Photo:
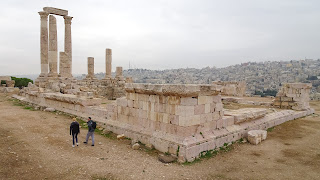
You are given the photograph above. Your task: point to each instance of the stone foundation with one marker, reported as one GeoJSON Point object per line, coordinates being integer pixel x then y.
{"type": "Point", "coordinates": [183, 120]}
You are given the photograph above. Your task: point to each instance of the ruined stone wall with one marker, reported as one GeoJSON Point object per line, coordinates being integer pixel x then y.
{"type": "Point", "coordinates": [170, 114]}
{"type": "Point", "coordinates": [231, 88]}
{"type": "Point", "coordinates": [293, 96]}
{"type": "Point", "coordinates": [111, 89]}
{"type": "Point", "coordinates": [5, 78]}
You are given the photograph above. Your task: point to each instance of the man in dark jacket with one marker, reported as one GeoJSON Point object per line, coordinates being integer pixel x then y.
{"type": "Point", "coordinates": [74, 131]}
{"type": "Point", "coordinates": [90, 131]}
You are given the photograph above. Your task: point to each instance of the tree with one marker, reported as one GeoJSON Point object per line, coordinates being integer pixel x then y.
{"type": "Point", "coordinates": [21, 82]}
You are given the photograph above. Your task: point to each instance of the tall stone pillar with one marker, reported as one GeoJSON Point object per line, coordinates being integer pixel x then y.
{"type": "Point", "coordinates": [90, 68]}
{"type": "Point", "coordinates": [108, 63]}
{"type": "Point", "coordinates": [53, 47]}
{"type": "Point", "coordinates": [44, 43]}
{"type": "Point", "coordinates": [67, 40]}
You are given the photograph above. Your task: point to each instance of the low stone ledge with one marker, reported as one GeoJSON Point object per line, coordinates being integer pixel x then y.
{"type": "Point", "coordinates": [246, 114]}
{"type": "Point", "coordinates": [182, 90]}
{"type": "Point", "coordinates": [73, 99]}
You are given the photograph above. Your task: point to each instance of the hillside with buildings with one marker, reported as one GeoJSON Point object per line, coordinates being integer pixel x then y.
{"type": "Point", "coordinates": [259, 76]}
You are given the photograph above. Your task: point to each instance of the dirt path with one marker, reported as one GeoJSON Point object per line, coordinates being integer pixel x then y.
{"type": "Point", "coordinates": [37, 145]}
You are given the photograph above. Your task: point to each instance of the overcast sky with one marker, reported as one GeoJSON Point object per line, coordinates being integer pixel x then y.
{"type": "Point", "coordinates": [163, 34]}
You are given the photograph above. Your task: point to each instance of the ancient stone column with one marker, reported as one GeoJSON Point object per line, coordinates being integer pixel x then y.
{"type": "Point", "coordinates": [108, 63]}
{"type": "Point", "coordinates": [53, 47]}
{"type": "Point", "coordinates": [64, 66]}
{"type": "Point", "coordinates": [44, 43]}
{"type": "Point", "coordinates": [67, 40]}
{"type": "Point", "coordinates": [91, 68]}
{"type": "Point", "coordinates": [118, 71]}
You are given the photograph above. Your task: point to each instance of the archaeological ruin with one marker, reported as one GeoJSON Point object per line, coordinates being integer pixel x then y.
{"type": "Point", "coordinates": [180, 119]}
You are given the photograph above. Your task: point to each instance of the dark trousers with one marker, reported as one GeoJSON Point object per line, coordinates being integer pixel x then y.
{"type": "Point", "coordinates": [74, 136]}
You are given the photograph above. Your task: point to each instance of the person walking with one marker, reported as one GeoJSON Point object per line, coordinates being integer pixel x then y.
{"type": "Point", "coordinates": [91, 128]}
{"type": "Point", "coordinates": [74, 131]}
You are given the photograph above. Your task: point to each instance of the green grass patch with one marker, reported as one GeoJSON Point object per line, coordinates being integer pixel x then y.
{"type": "Point", "coordinates": [29, 108]}
{"type": "Point", "coordinates": [212, 153]}
{"type": "Point", "coordinates": [270, 129]}
{"type": "Point", "coordinates": [18, 103]}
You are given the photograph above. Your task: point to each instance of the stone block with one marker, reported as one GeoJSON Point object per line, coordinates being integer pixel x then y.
{"type": "Point", "coordinates": [154, 98]}
{"type": "Point", "coordinates": [219, 107]}
{"type": "Point", "coordinates": [205, 99]}
{"type": "Point", "coordinates": [216, 116]}
{"type": "Point", "coordinates": [122, 102]}
{"type": "Point", "coordinates": [173, 119]}
{"type": "Point", "coordinates": [205, 118]}
{"type": "Point", "coordinates": [174, 100]}
{"type": "Point", "coordinates": [163, 99]}
{"type": "Point", "coordinates": [256, 136]}
{"type": "Point", "coordinates": [130, 103]}
{"type": "Point", "coordinates": [199, 109]}
{"type": "Point", "coordinates": [207, 108]}
{"type": "Point", "coordinates": [143, 97]}
{"type": "Point", "coordinates": [185, 110]}
{"type": "Point", "coordinates": [165, 118]}
{"type": "Point", "coordinates": [219, 123]}
{"type": "Point", "coordinates": [212, 107]}
{"type": "Point", "coordinates": [136, 104]}
{"type": "Point", "coordinates": [145, 106]}
{"type": "Point", "coordinates": [188, 101]}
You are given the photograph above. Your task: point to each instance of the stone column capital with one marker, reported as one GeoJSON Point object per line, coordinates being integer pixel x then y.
{"type": "Point", "coordinates": [43, 15]}
{"type": "Point", "coordinates": [67, 19]}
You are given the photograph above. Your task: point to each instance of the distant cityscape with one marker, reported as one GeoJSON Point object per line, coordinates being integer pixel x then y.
{"type": "Point", "coordinates": [259, 76]}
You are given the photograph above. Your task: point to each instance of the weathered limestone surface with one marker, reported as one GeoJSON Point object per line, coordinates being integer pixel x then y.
{"type": "Point", "coordinates": [293, 96]}
{"type": "Point", "coordinates": [246, 114]}
{"type": "Point", "coordinates": [108, 63]}
{"type": "Point", "coordinates": [257, 136]}
{"type": "Point", "coordinates": [56, 11]}
{"type": "Point", "coordinates": [9, 89]}
{"type": "Point", "coordinates": [53, 47]}
{"type": "Point", "coordinates": [231, 88]}
{"type": "Point", "coordinates": [183, 90]}
{"type": "Point", "coordinates": [73, 99]}
{"type": "Point", "coordinates": [44, 43]}
{"type": "Point", "coordinates": [65, 67]}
